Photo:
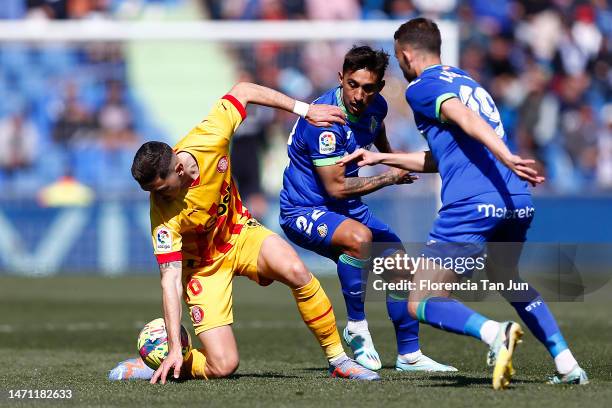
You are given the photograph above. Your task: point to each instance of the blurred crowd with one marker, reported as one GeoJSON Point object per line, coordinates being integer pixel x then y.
{"type": "Point", "coordinates": [547, 64]}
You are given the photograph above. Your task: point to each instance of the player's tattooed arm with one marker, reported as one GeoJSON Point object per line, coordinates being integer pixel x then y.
{"type": "Point", "coordinates": [172, 290]}
{"type": "Point", "coordinates": [454, 111]}
{"type": "Point", "coordinates": [318, 115]}
{"type": "Point", "coordinates": [340, 187]}
{"type": "Point", "coordinates": [419, 162]}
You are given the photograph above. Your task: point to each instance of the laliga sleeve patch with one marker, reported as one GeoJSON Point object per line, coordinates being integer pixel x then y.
{"type": "Point", "coordinates": [327, 142]}
{"type": "Point", "coordinates": [163, 240]}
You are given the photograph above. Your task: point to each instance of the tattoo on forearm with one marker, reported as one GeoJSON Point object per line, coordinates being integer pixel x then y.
{"type": "Point", "coordinates": [170, 265]}
{"type": "Point", "coordinates": [365, 185]}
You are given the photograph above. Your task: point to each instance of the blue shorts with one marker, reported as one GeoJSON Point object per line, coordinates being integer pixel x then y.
{"type": "Point", "coordinates": [312, 228]}
{"type": "Point", "coordinates": [463, 228]}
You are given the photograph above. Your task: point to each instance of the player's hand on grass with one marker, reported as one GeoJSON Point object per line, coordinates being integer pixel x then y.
{"type": "Point", "coordinates": [325, 115]}
{"type": "Point", "coordinates": [364, 158]}
{"type": "Point", "coordinates": [522, 168]}
{"type": "Point", "coordinates": [173, 362]}
{"type": "Point", "coordinates": [403, 176]}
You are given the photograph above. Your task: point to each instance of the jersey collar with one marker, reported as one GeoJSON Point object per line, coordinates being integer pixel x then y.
{"type": "Point", "coordinates": [432, 67]}
{"type": "Point", "coordinates": [340, 102]}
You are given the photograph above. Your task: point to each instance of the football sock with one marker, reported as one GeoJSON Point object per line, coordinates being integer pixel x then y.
{"type": "Point", "coordinates": [410, 358]}
{"type": "Point", "coordinates": [349, 272]}
{"type": "Point", "coordinates": [194, 365]}
{"type": "Point", "coordinates": [488, 331]}
{"type": "Point", "coordinates": [357, 326]}
{"type": "Point", "coordinates": [565, 362]}
{"type": "Point", "coordinates": [318, 314]}
{"type": "Point", "coordinates": [406, 328]}
{"type": "Point", "coordinates": [538, 318]}
{"type": "Point", "coordinates": [451, 315]}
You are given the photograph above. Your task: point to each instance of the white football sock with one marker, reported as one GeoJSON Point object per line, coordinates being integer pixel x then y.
{"type": "Point", "coordinates": [488, 331]}
{"type": "Point", "coordinates": [410, 357]}
{"type": "Point", "coordinates": [357, 326]}
{"type": "Point", "coordinates": [565, 362]}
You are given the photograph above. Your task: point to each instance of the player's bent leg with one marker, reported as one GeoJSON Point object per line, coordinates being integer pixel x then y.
{"type": "Point", "coordinates": [349, 240]}
{"type": "Point", "coordinates": [278, 261]}
{"type": "Point", "coordinates": [217, 358]}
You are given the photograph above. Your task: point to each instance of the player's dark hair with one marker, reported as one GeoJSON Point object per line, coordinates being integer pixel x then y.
{"type": "Point", "coordinates": [364, 57]}
{"type": "Point", "coordinates": [153, 159]}
{"type": "Point", "coordinates": [420, 33]}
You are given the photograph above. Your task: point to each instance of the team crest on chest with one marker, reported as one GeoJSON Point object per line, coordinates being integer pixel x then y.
{"type": "Point", "coordinates": [327, 143]}
{"type": "Point", "coordinates": [222, 164]}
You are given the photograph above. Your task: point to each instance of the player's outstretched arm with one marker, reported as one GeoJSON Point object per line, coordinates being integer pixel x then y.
{"type": "Point", "coordinates": [340, 187]}
{"type": "Point", "coordinates": [473, 125]}
{"type": "Point", "coordinates": [318, 115]}
{"type": "Point", "coordinates": [172, 289]}
{"type": "Point", "coordinates": [419, 162]}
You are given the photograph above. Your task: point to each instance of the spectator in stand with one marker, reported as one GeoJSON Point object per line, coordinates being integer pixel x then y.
{"type": "Point", "coordinates": [47, 9]}
{"type": "Point", "coordinates": [604, 149]}
{"type": "Point", "coordinates": [73, 122]}
{"type": "Point", "coordinates": [18, 140]}
{"type": "Point", "coordinates": [333, 10]}
{"type": "Point", "coordinates": [115, 119]}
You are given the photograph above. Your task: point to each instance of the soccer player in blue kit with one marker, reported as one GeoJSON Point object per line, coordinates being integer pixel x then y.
{"type": "Point", "coordinates": [485, 198]}
{"type": "Point", "coordinates": [321, 210]}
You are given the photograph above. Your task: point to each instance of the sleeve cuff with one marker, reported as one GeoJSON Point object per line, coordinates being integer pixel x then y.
{"type": "Point", "coordinates": [236, 104]}
{"type": "Point", "coordinates": [440, 100]}
{"type": "Point", "coordinates": [169, 257]}
{"type": "Point", "coordinates": [327, 161]}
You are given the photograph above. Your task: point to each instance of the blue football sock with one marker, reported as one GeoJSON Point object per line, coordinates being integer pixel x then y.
{"type": "Point", "coordinates": [353, 285]}
{"type": "Point", "coordinates": [537, 316]}
{"type": "Point", "coordinates": [450, 315]}
{"type": "Point", "coordinates": [406, 328]}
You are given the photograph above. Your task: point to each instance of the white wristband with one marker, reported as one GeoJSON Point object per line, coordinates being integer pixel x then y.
{"type": "Point", "coordinates": [301, 108]}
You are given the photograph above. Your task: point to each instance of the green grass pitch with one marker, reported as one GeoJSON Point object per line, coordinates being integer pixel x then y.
{"type": "Point", "coordinates": [67, 332]}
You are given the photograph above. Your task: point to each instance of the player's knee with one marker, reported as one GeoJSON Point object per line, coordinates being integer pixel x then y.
{"type": "Point", "coordinates": [358, 239]}
{"type": "Point", "coordinates": [222, 366]}
{"type": "Point", "coordinates": [299, 275]}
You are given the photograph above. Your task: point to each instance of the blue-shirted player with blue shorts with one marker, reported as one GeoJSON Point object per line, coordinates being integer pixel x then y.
{"type": "Point", "coordinates": [321, 208]}
{"type": "Point", "coordinates": [485, 198]}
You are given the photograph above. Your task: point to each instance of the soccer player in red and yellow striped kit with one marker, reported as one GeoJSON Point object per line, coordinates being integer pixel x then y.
{"type": "Point", "coordinates": [203, 236]}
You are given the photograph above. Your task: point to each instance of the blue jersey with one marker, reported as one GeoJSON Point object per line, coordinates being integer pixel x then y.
{"type": "Point", "coordinates": [310, 146]}
{"type": "Point", "coordinates": [466, 166]}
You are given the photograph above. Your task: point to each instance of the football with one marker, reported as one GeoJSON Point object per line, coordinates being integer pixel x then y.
{"type": "Point", "coordinates": [153, 342]}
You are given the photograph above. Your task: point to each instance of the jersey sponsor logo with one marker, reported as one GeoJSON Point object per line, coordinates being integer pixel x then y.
{"type": "Point", "coordinates": [492, 211]}
{"type": "Point", "coordinates": [163, 240]}
{"type": "Point", "coordinates": [222, 164]}
{"type": "Point", "coordinates": [197, 314]}
{"type": "Point", "coordinates": [327, 143]}
{"type": "Point", "coordinates": [322, 230]}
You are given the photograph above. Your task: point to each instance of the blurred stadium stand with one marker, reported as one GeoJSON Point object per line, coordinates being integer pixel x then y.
{"type": "Point", "coordinates": [77, 111]}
